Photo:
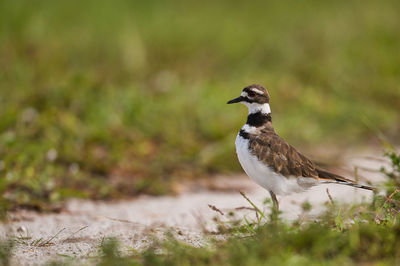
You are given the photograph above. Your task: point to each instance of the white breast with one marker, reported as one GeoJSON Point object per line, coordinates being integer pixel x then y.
{"type": "Point", "coordinates": [264, 176]}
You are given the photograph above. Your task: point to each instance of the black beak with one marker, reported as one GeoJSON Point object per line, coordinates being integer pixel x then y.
{"type": "Point", "coordinates": [236, 100]}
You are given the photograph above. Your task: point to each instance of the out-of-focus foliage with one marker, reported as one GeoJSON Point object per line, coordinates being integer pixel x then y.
{"type": "Point", "coordinates": [113, 98]}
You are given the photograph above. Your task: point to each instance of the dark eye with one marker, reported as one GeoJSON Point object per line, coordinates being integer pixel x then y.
{"type": "Point", "coordinates": [251, 93]}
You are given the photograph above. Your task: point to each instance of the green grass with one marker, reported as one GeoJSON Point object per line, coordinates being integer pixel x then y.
{"type": "Point", "coordinates": [364, 234]}
{"type": "Point", "coordinates": [368, 233]}
{"type": "Point", "coordinates": [107, 99]}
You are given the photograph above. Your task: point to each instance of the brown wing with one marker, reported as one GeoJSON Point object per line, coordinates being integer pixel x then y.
{"type": "Point", "coordinates": [283, 158]}
{"type": "Point", "coordinates": [323, 174]}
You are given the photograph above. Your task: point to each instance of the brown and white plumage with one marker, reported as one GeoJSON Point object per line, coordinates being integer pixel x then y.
{"type": "Point", "coordinates": [268, 159]}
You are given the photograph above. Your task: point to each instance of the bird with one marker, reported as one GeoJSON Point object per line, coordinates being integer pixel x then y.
{"type": "Point", "coordinates": [268, 159]}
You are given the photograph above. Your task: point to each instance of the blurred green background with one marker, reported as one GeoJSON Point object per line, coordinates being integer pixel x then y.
{"type": "Point", "coordinates": [108, 99]}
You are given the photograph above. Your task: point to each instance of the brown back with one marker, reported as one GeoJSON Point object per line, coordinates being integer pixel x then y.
{"type": "Point", "coordinates": [278, 154]}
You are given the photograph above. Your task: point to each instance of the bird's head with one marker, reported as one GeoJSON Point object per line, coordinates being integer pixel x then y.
{"type": "Point", "coordinates": [255, 97]}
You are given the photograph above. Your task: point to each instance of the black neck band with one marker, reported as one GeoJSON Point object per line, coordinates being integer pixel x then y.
{"type": "Point", "coordinates": [244, 134]}
{"type": "Point", "coordinates": [258, 119]}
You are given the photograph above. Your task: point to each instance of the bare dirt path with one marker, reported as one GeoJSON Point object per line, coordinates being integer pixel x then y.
{"type": "Point", "coordinates": [79, 229]}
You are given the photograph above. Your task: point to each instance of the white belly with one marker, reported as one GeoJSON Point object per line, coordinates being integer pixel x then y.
{"type": "Point", "coordinates": [264, 175]}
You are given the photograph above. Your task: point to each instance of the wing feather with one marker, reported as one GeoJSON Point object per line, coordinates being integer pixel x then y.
{"type": "Point", "coordinates": [286, 160]}
{"type": "Point", "coordinates": [282, 157]}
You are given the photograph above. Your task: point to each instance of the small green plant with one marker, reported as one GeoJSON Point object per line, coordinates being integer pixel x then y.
{"type": "Point", "coordinates": [6, 247]}
{"type": "Point", "coordinates": [393, 174]}
{"type": "Point", "coordinates": [259, 214]}
{"type": "Point", "coordinates": [24, 238]}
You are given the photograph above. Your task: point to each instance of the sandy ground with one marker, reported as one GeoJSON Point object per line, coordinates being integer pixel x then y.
{"type": "Point", "coordinates": [78, 230]}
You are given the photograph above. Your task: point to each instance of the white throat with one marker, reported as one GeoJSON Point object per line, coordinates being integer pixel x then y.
{"type": "Point", "coordinates": [256, 107]}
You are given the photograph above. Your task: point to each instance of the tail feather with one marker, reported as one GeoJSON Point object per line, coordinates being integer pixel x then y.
{"type": "Point", "coordinates": [328, 177]}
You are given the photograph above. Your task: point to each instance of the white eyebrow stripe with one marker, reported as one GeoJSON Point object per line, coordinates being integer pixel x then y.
{"type": "Point", "coordinates": [257, 91]}
{"type": "Point", "coordinates": [243, 94]}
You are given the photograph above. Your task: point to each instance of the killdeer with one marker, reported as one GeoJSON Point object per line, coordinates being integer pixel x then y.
{"type": "Point", "coordinates": [268, 159]}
